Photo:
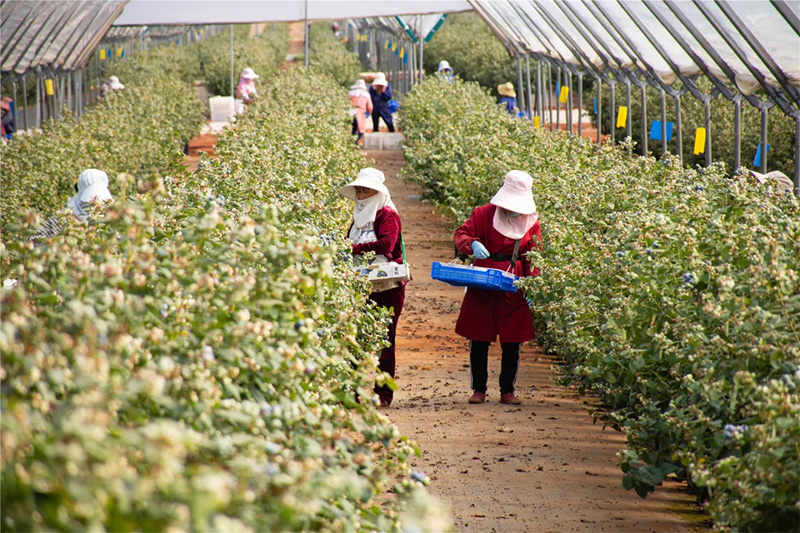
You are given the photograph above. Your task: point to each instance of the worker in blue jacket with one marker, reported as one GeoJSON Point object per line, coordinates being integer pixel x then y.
{"type": "Point", "coordinates": [381, 95]}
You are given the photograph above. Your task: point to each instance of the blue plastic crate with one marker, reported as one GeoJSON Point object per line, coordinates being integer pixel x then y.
{"type": "Point", "coordinates": [471, 276]}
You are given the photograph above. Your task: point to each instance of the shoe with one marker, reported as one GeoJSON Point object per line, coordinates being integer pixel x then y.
{"type": "Point", "coordinates": [509, 398]}
{"type": "Point", "coordinates": [477, 397]}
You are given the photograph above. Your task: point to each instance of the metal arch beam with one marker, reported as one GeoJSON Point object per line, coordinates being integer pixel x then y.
{"type": "Point", "coordinates": [567, 40]}
{"type": "Point", "coordinates": [491, 20]}
{"type": "Point", "coordinates": [689, 84]}
{"type": "Point", "coordinates": [616, 36]}
{"type": "Point", "coordinates": [760, 51]}
{"type": "Point", "coordinates": [787, 14]}
{"type": "Point", "coordinates": [543, 39]}
{"type": "Point", "coordinates": [618, 72]}
{"type": "Point", "coordinates": [636, 56]}
{"type": "Point", "coordinates": [776, 97]}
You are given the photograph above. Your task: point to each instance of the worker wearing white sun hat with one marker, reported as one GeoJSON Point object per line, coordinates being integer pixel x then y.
{"type": "Point", "coordinates": [445, 71]}
{"type": "Point", "coordinates": [377, 228]}
{"type": "Point", "coordinates": [499, 234]}
{"type": "Point", "coordinates": [246, 90]}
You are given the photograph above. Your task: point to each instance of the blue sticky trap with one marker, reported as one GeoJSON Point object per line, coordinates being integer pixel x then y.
{"type": "Point", "coordinates": [655, 130]}
{"type": "Point", "coordinates": [757, 160]}
{"type": "Point", "coordinates": [405, 59]}
{"type": "Point", "coordinates": [595, 104]}
{"type": "Point", "coordinates": [108, 53]}
{"type": "Point", "coordinates": [122, 54]}
{"type": "Point", "coordinates": [558, 88]}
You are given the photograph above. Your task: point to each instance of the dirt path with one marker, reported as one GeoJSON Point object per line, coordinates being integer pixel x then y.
{"type": "Point", "coordinates": [541, 466]}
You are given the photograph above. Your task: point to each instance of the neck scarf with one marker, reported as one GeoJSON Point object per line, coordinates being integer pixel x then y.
{"type": "Point", "coordinates": [513, 227]}
{"type": "Point", "coordinates": [78, 209]}
{"type": "Point", "coordinates": [364, 212]}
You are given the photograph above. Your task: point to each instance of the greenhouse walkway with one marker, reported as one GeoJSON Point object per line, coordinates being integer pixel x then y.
{"type": "Point", "coordinates": [541, 466]}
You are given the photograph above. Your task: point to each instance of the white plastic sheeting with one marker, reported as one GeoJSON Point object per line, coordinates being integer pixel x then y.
{"type": "Point", "coordinates": [421, 26]}
{"type": "Point", "coordinates": [52, 35]}
{"type": "Point", "coordinates": [148, 12]}
{"type": "Point", "coordinates": [622, 34]}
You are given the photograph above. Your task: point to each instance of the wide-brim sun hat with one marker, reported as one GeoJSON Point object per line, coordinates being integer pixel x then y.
{"type": "Point", "coordinates": [380, 80]}
{"type": "Point", "coordinates": [780, 180]}
{"type": "Point", "coordinates": [359, 84]}
{"type": "Point", "coordinates": [249, 74]}
{"type": "Point", "coordinates": [114, 83]}
{"type": "Point", "coordinates": [371, 178]}
{"type": "Point", "coordinates": [516, 193]}
{"type": "Point", "coordinates": [506, 89]}
{"type": "Point", "coordinates": [444, 65]}
{"type": "Point", "coordinates": [93, 184]}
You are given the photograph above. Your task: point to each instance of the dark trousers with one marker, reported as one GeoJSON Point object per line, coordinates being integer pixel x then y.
{"type": "Point", "coordinates": [393, 298]}
{"type": "Point", "coordinates": [376, 120]}
{"type": "Point", "coordinates": [479, 365]}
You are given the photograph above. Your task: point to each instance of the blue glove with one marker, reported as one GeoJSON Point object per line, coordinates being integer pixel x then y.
{"type": "Point", "coordinates": [479, 250]}
{"type": "Point", "coordinates": [530, 302]}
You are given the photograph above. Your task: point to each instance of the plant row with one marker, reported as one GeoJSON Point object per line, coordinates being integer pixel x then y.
{"type": "Point", "coordinates": [140, 130]}
{"type": "Point", "coordinates": [672, 293]}
{"type": "Point", "coordinates": [327, 55]}
{"type": "Point", "coordinates": [780, 128]}
{"type": "Point", "coordinates": [201, 355]}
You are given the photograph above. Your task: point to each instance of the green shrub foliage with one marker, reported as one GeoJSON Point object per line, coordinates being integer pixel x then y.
{"type": "Point", "coordinates": [328, 56]}
{"type": "Point", "coordinates": [780, 128]}
{"type": "Point", "coordinates": [264, 53]}
{"type": "Point", "coordinates": [193, 358]}
{"type": "Point", "coordinates": [672, 293]}
{"type": "Point", "coordinates": [140, 130]}
{"type": "Point", "coordinates": [473, 51]}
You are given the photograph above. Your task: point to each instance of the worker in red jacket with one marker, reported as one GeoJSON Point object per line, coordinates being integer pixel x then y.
{"type": "Point", "coordinates": [491, 234]}
{"type": "Point", "coordinates": [376, 228]}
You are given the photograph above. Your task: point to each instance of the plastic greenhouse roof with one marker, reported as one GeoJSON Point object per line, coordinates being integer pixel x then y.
{"type": "Point", "coordinates": [52, 35]}
{"type": "Point", "coordinates": [749, 43]}
{"type": "Point", "coordinates": [147, 12]}
{"type": "Point", "coordinates": [416, 24]}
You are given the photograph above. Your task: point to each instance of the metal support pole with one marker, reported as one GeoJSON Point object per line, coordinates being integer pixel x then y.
{"type": "Point", "coordinates": [520, 87]}
{"type": "Point", "coordinates": [611, 113]}
{"type": "Point", "coordinates": [38, 100]}
{"type": "Point", "coordinates": [568, 103]}
{"type": "Point", "coordinates": [763, 161]}
{"type": "Point", "coordinates": [643, 89]}
{"type": "Point", "coordinates": [599, 120]}
{"type": "Point", "coordinates": [25, 97]}
{"type": "Point", "coordinates": [305, 10]}
{"type": "Point", "coordinates": [678, 128]}
{"type": "Point", "coordinates": [69, 92]}
{"type": "Point", "coordinates": [663, 122]}
{"type": "Point", "coordinates": [421, 57]}
{"type": "Point", "coordinates": [797, 154]}
{"type": "Point", "coordinates": [16, 103]}
{"type": "Point", "coordinates": [558, 99]}
{"type": "Point", "coordinates": [550, 94]}
{"type": "Point", "coordinates": [707, 120]}
{"type": "Point", "coordinates": [539, 94]}
{"type": "Point", "coordinates": [580, 104]}
{"type": "Point", "coordinates": [737, 127]}
{"type": "Point", "coordinates": [528, 77]}
{"type": "Point", "coordinates": [233, 93]}
{"type": "Point", "coordinates": [628, 121]}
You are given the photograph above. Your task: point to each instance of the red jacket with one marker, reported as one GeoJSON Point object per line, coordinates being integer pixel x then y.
{"type": "Point", "coordinates": [487, 314]}
{"type": "Point", "coordinates": [387, 228]}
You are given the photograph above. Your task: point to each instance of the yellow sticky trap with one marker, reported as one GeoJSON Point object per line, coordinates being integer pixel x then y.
{"type": "Point", "coordinates": [386, 45]}
{"type": "Point", "coordinates": [394, 47]}
{"type": "Point", "coordinates": [536, 122]}
{"type": "Point", "coordinates": [622, 116]}
{"type": "Point", "coordinates": [564, 95]}
{"type": "Point", "coordinates": [700, 141]}
{"type": "Point", "coordinates": [103, 54]}
{"type": "Point", "coordinates": [119, 52]}
{"type": "Point", "coordinates": [402, 52]}
{"type": "Point", "coordinates": [48, 87]}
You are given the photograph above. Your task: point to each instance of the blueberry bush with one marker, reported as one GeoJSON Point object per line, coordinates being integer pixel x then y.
{"type": "Point", "coordinates": [671, 293]}
{"type": "Point", "coordinates": [201, 356]}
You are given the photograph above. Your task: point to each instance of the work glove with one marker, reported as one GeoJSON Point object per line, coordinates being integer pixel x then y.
{"type": "Point", "coordinates": [479, 250]}
{"type": "Point", "coordinates": [530, 302]}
